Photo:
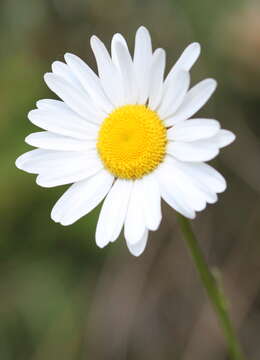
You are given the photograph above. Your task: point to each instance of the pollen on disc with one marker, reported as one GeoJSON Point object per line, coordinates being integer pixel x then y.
{"type": "Point", "coordinates": [132, 141]}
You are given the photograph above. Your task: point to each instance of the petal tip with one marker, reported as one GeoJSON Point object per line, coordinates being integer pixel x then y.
{"type": "Point", "coordinates": [232, 137]}
{"type": "Point", "coordinates": [18, 163]}
{"type": "Point", "coordinates": [39, 182]}
{"type": "Point", "coordinates": [100, 245]}
{"type": "Point", "coordinates": [68, 54]}
{"type": "Point", "coordinates": [192, 216]}
{"type": "Point", "coordinates": [47, 77]}
{"type": "Point", "coordinates": [142, 28]}
{"type": "Point", "coordinates": [30, 115]}
{"type": "Point", "coordinates": [54, 215]}
{"type": "Point", "coordinates": [93, 39]}
{"type": "Point", "coordinates": [196, 45]}
{"type": "Point", "coordinates": [136, 254]}
{"type": "Point", "coordinates": [69, 57]}
{"type": "Point", "coordinates": [28, 139]}
{"type": "Point", "coordinates": [55, 65]}
{"type": "Point", "coordinates": [213, 83]}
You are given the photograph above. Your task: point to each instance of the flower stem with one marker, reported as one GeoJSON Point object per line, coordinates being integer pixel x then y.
{"type": "Point", "coordinates": [212, 288]}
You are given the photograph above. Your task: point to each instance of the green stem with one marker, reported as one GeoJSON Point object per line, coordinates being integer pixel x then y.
{"type": "Point", "coordinates": [212, 288]}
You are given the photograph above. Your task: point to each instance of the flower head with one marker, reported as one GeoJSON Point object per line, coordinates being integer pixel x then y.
{"type": "Point", "coordinates": [126, 137]}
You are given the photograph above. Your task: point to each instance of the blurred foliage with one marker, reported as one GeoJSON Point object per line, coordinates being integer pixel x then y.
{"type": "Point", "coordinates": [62, 297]}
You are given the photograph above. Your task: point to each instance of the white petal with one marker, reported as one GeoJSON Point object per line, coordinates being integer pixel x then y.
{"type": "Point", "coordinates": [203, 175]}
{"type": "Point", "coordinates": [138, 248]}
{"type": "Point", "coordinates": [156, 78]}
{"type": "Point", "coordinates": [142, 62]}
{"type": "Point", "coordinates": [201, 150]}
{"type": "Point", "coordinates": [49, 104]}
{"type": "Point", "coordinates": [76, 99]}
{"type": "Point", "coordinates": [23, 162]}
{"type": "Point", "coordinates": [223, 138]}
{"type": "Point", "coordinates": [196, 196]}
{"type": "Point", "coordinates": [117, 38]}
{"type": "Point", "coordinates": [194, 129]}
{"type": "Point", "coordinates": [113, 212]}
{"type": "Point", "coordinates": [174, 93]}
{"type": "Point", "coordinates": [214, 179]}
{"type": "Point", "coordinates": [135, 223]}
{"type": "Point", "coordinates": [151, 201]}
{"type": "Point", "coordinates": [195, 98]}
{"type": "Point", "coordinates": [70, 171]}
{"type": "Point", "coordinates": [108, 73]}
{"type": "Point", "coordinates": [41, 161]}
{"type": "Point", "coordinates": [185, 61]}
{"type": "Point", "coordinates": [63, 70]}
{"type": "Point", "coordinates": [192, 194]}
{"type": "Point", "coordinates": [62, 120]}
{"type": "Point", "coordinates": [194, 178]}
{"type": "Point", "coordinates": [81, 198]}
{"type": "Point", "coordinates": [90, 81]}
{"type": "Point", "coordinates": [172, 193]}
{"type": "Point", "coordinates": [50, 141]}
{"type": "Point", "coordinates": [126, 69]}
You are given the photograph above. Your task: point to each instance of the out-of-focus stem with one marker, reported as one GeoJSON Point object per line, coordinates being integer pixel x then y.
{"type": "Point", "coordinates": [212, 288]}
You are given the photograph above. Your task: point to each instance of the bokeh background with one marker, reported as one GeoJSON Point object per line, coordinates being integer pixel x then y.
{"type": "Point", "coordinates": [60, 296]}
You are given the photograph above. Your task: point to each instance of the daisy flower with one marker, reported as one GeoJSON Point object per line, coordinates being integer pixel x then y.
{"type": "Point", "coordinates": [126, 136]}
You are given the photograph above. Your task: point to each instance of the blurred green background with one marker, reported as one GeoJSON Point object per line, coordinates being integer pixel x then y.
{"type": "Point", "coordinates": [60, 296]}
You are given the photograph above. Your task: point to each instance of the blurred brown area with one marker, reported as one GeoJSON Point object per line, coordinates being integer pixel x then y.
{"type": "Point", "coordinates": [61, 296]}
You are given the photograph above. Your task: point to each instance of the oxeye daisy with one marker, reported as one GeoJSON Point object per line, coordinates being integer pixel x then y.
{"type": "Point", "coordinates": [126, 136]}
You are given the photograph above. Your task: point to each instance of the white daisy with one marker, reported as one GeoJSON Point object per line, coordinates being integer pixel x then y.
{"type": "Point", "coordinates": [128, 137]}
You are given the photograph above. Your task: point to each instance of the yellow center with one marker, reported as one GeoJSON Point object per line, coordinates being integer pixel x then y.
{"type": "Point", "coordinates": [132, 141]}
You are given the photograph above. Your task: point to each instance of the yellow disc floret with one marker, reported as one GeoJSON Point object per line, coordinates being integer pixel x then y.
{"type": "Point", "coordinates": [132, 141]}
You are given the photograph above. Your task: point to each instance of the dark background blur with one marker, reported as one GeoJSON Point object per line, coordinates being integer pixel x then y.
{"type": "Point", "coordinates": [60, 296]}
